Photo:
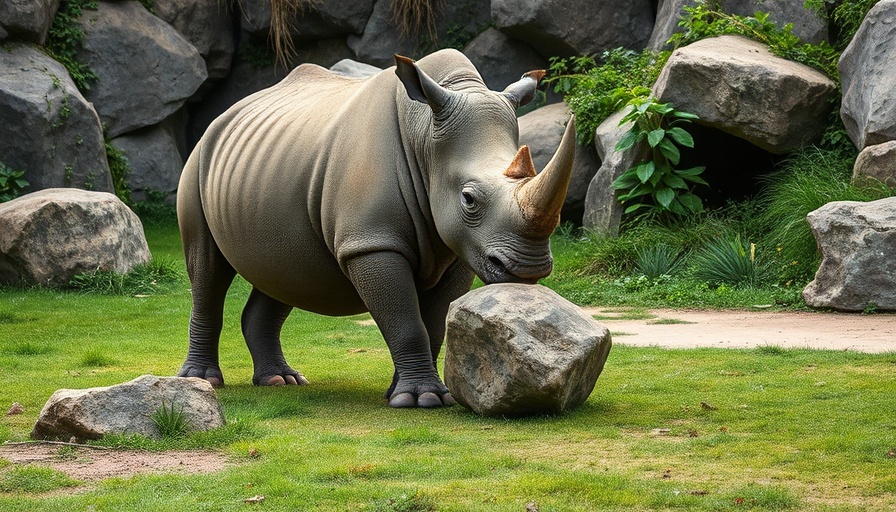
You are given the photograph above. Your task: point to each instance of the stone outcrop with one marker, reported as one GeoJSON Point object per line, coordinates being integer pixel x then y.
{"type": "Point", "coordinates": [738, 86]}
{"type": "Point", "coordinates": [579, 27]}
{"type": "Point", "coordinates": [500, 59]}
{"type": "Point", "coordinates": [128, 408]}
{"type": "Point", "coordinates": [868, 77]}
{"type": "Point", "coordinates": [50, 236]}
{"type": "Point", "coordinates": [146, 69]}
{"type": "Point", "coordinates": [206, 24]}
{"type": "Point", "coordinates": [154, 160]}
{"type": "Point", "coordinates": [877, 163]}
{"type": "Point", "coordinates": [27, 20]}
{"type": "Point", "coordinates": [542, 130]}
{"type": "Point", "coordinates": [516, 350]}
{"type": "Point", "coordinates": [47, 128]}
{"type": "Point", "coordinates": [857, 242]}
{"type": "Point", "coordinates": [603, 212]}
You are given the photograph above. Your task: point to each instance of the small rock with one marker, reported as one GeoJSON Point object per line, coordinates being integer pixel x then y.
{"type": "Point", "coordinates": [128, 408]}
{"type": "Point", "coordinates": [876, 163]}
{"type": "Point", "coordinates": [517, 350]}
{"type": "Point", "coordinates": [16, 408]}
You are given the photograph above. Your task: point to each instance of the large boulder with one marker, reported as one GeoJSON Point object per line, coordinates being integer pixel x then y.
{"type": "Point", "coordinates": [206, 24]}
{"type": "Point", "coordinates": [738, 86]}
{"type": "Point", "coordinates": [877, 163]}
{"type": "Point", "coordinates": [455, 24]}
{"type": "Point", "coordinates": [517, 350]}
{"type": "Point", "coordinates": [807, 24]}
{"type": "Point", "coordinates": [317, 19]}
{"type": "Point", "coordinates": [50, 236]}
{"type": "Point", "coordinates": [154, 160]}
{"type": "Point", "coordinates": [602, 211]}
{"type": "Point", "coordinates": [566, 28]}
{"type": "Point", "coordinates": [47, 128]}
{"type": "Point", "coordinates": [146, 69]}
{"type": "Point", "coordinates": [27, 20]}
{"type": "Point", "coordinates": [857, 242]}
{"type": "Point", "coordinates": [542, 130]}
{"type": "Point", "coordinates": [500, 59]}
{"type": "Point", "coordinates": [128, 408]}
{"type": "Point", "coordinates": [668, 14]}
{"type": "Point", "coordinates": [868, 77]}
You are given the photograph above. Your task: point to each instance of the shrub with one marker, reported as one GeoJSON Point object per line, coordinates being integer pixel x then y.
{"type": "Point", "coordinates": [729, 261]}
{"type": "Point", "coordinates": [844, 17]}
{"type": "Point", "coordinates": [12, 183]}
{"type": "Point", "coordinates": [656, 178]}
{"type": "Point", "coordinates": [658, 260]}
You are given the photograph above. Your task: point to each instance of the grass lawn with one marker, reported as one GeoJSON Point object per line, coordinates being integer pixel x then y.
{"type": "Point", "coordinates": [709, 429]}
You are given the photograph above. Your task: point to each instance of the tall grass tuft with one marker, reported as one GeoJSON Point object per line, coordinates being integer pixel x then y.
{"type": "Point", "coordinates": [810, 179]}
{"type": "Point", "coordinates": [170, 422]}
{"type": "Point", "coordinates": [150, 278]}
{"type": "Point", "coordinates": [658, 260]}
{"type": "Point", "coordinates": [729, 261]}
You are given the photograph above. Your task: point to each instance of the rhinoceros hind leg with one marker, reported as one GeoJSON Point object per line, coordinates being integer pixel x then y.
{"type": "Point", "coordinates": [262, 321]}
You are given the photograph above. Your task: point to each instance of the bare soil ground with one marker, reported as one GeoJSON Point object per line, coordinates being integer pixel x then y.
{"type": "Point", "coordinates": [675, 328]}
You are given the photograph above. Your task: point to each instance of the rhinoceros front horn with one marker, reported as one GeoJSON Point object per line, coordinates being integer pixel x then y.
{"type": "Point", "coordinates": [541, 198]}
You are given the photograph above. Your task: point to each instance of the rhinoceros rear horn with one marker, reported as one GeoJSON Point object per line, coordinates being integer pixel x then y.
{"type": "Point", "coordinates": [541, 198]}
{"type": "Point", "coordinates": [419, 86]}
{"type": "Point", "coordinates": [522, 91]}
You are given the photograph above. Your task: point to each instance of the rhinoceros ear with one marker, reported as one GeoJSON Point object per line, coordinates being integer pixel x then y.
{"type": "Point", "coordinates": [419, 86]}
{"type": "Point", "coordinates": [522, 91]}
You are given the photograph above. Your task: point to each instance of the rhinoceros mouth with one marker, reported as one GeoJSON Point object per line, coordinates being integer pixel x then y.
{"type": "Point", "coordinates": [498, 267]}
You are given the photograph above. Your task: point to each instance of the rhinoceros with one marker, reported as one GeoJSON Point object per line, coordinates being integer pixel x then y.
{"type": "Point", "coordinates": [385, 194]}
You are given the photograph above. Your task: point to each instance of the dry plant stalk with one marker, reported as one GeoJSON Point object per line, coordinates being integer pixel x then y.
{"type": "Point", "coordinates": [414, 15]}
{"type": "Point", "coordinates": [283, 12]}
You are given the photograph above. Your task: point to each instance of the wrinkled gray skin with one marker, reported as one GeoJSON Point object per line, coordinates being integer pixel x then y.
{"type": "Point", "coordinates": [340, 195]}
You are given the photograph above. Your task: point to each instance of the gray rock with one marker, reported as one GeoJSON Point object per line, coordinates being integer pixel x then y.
{"type": "Point", "coordinates": [50, 236]}
{"type": "Point", "coordinates": [127, 409]}
{"type": "Point", "coordinates": [456, 23]}
{"type": "Point", "coordinates": [603, 212]}
{"type": "Point", "coordinates": [668, 13]}
{"type": "Point", "coordinates": [27, 20]}
{"type": "Point", "coordinates": [542, 130]}
{"type": "Point", "coordinates": [154, 160]}
{"type": "Point", "coordinates": [857, 242]}
{"type": "Point", "coordinates": [47, 128]}
{"type": "Point", "coordinates": [565, 28]}
{"type": "Point", "coordinates": [868, 77]}
{"type": "Point", "coordinates": [206, 24]}
{"type": "Point", "coordinates": [146, 69]}
{"type": "Point", "coordinates": [736, 85]}
{"type": "Point", "coordinates": [807, 25]}
{"type": "Point", "coordinates": [319, 19]}
{"type": "Point", "coordinates": [500, 59]}
{"type": "Point", "coordinates": [353, 68]}
{"type": "Point", "coordinates": [877, 163]}
{"type": "Point", "coordinates": [516, 350]}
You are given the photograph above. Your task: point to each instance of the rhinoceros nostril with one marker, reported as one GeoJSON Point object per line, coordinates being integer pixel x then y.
{"type": "Point", "coordinates": [494, 260]}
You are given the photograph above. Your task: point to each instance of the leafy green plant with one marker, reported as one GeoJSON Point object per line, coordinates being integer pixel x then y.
{"type": "Point", "coordinates": [170, 421]}
{"type": "Point", "coordinates": [659, 260]}
{"type": "Point", "coordinates": [119, 168]}
{"type": "Point", "coordinates": [66, 37]}
{"type": "Point", "coordinates": [594, 92]}
{"type": "Point", "coordinates": [706, 19]}
{"type": "Point", "coordinates": [729, 261]}
{"type": "Point", "coordinates": [12, 183]}
{"type": "Point", "coordinates": [155, 211]}
{"type": "Point", "coordinates": [147, 279]}
{"type": "Point", "coordinates": [656, 178]}
{"type": "Point", "coordinates": [844, 16]}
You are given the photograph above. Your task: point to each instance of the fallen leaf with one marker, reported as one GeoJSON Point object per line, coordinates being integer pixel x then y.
{"type": "Point", "coordinates": [723, 429]}
{"type": "Point", "coordinates": [253, 453]}
{"type": "Point", "coordinates": [357, 350]}
{"type": "Point", "coordinates": [738, 501]}
{"type": "Point", "coordinates": [708, 407]}
{"type": "Point", "coordinates": [692, 433]}
{"type": "Point", "coordinates": [660, 431]}
{"type": "Point", "coordinates": [531, 507]}
{"type": "Point", "coordinates": [254, 499]}
{"type": "Point", "coordinates": [667, 473]}
{"type": "Point", "coordinates": [16, 408]}
{"type": "Point", "coordinates": [892, 453]}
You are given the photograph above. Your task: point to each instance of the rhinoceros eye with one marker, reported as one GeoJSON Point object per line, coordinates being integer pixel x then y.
{"type": "Point", "coordinates": [467, 199]}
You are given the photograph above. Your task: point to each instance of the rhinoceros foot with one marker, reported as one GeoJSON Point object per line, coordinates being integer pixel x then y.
{"type": "Point", "coordinates": [423, 394]}
{"type": "Point", "coordinates": [210, 373]}
{"type": "Point", "coordinates": [279, 376]}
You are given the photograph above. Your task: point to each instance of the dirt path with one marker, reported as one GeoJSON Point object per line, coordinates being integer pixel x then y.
{"type": "Point", "coordinates": [745, 329]}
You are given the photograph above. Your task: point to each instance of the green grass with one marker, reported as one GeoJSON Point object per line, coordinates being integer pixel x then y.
{"type": "Point", "coordinates": [790, 429]}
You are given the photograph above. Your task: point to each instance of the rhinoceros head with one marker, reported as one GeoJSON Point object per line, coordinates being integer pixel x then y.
{"type": "Point", "coordinates": [489, 205]}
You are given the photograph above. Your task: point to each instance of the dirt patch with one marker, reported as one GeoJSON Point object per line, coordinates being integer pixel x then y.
{"type": "Point", "coordinates": [90, 465]}
{"type": "Point", "coordinates": [677, 328]}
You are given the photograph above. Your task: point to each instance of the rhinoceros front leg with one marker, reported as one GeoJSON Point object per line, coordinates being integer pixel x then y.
{"type": "Point", "coordinates": [385, 282]}
{"type": "Point", "coordinates": [262, 321]}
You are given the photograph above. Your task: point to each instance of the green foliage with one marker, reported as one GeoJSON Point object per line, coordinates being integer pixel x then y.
{"type": "Point", "coordinates": [705, 20]}
{"type": "Point", "coordinates": [667, 189]}
{"type": "Point", "coordinates": [594, 92]}
{"type": "Point", "coordinates": [729, 261]}
{"type": "Point", "coordinates": [34, 479]}
{"type": "Point", "coordinates": [808, 180]}
{"type": "Point", "coordinates": [258, 54]}
{"type": "Point", "coordinates": [658, 260]}
{"type": "Point", "coordinates": [844, 16]}
{"type": "Point", "coordinates": [151, 278]}
{"type": "Point", "coordinates": [119, 168]}
{"type": "Point", "coordinates": [149, 4]}
{"type": "Point", "coordinates": [12, 183]}
{"type": "Point", "coordinates": [170, 422]}
{"type": "Point", "coordinates": [65, 39]}
{"type": "Point", "coordinates": [155, 211]}
{"type": "Point", "coordinates": [406, 503]}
